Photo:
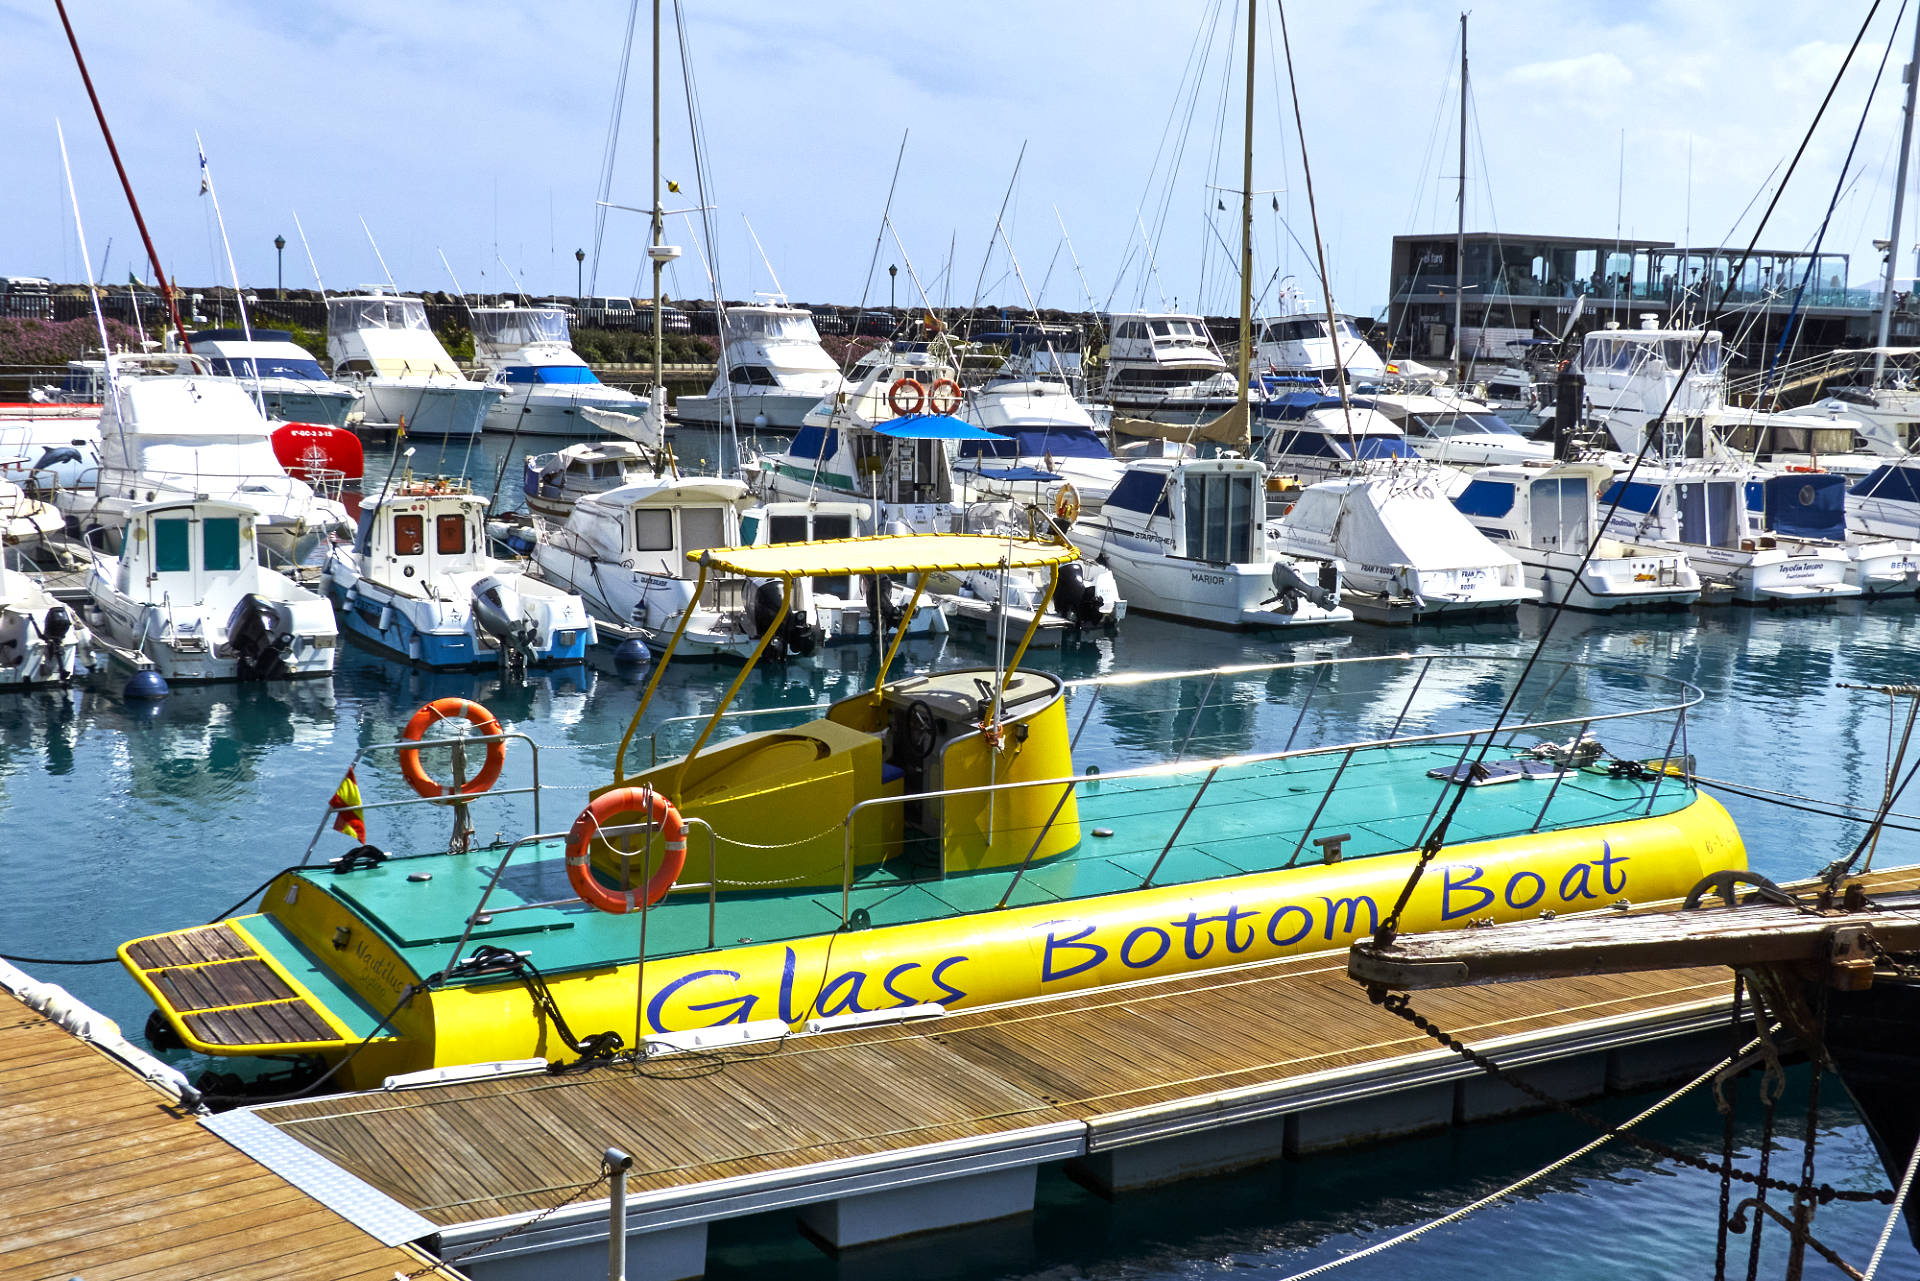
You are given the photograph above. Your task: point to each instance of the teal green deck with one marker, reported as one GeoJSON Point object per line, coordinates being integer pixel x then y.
{"type": "Point", "coordinates": [1250, 819]}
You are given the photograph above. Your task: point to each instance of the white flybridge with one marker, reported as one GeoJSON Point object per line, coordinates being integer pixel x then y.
{"type": "Point", "coordinates": [772, 373]}
{"type": "Point", "coordinates": [289, 382]}
{"type": "Point", "coordinates": [1045, 436]}
{"type": "Point", "coordinates": [1298, 343]}
{"type": "Point", "coordinates": [546, 387]}
{"type": "Point", "coordinates": [382, 347]}
{"type": "Point", "coordinates": [1164, 367]}
{"type": "Point", "coordinates": [1546, 517]}
{"type": "Point", "coordinates": [1188, 539]}
{"type": "Point", "coordinates": [181, 438]}
{"type": "Point", "coordinates": [1409, 553]}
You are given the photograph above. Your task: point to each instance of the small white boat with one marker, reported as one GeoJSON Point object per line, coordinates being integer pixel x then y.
{"type": "Point", "coordinates": [554, 482]}
{"type": "Point", "coordinates": [1003, 602]}
{"type": "Point", "coordinates": [772, 372]}
{"type": "Point", "coordinates": [545, 386]}
{"type": "Point", "coordinates": [1444, 427]}
{"type": "Point", "coordinates": [188, 593]}
{"type": "Point", "coordinates": [1409, 553]}
{"type": "Point", "coordinates": [1312, 437]}
{"type": "Point", "coordinates": [417, 582]}
{"type": "Point", "coordinates": [626, 553]}
{"type": "Point", "coordinates": [289, 382]}
{"type": "Point", "coordinates": [1808, 509]}
{"type": "Point", "coordinates": [1189, 539]}
{"type": "Point", "coordinates": [1299, 344]}
{"type": "Point", "coordinates": [842, 606]}
{"type": "Point", "coordinates": [41, 641]}
{"type": "Point", "coordinates": [1545, 517]}
{"type": "Point", "coordinates": [382, 347]}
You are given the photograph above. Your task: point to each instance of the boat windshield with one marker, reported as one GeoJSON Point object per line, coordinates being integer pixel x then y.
{"type": "Point", "coordinates": [1464, 425]}
{"type": "Point", "coordinates": [1059, 440]}
{"type": "Point", "coordinates": [519, 326]}
{"type": "Point", "coordinates": [267, 367]}
{"type": "Point", "coordinates": [772, 326]}
{"type": "Point", "coordinates": [344, 314]}
{"type": "Point", "coordinates": [548, 374]}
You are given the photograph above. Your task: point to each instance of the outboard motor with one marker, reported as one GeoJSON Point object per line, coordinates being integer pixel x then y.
{"type": "Point", "coordinates": [493, 613]}
{"type": "Point", "coordinates": [796, 635]}
{"type": "Point", "coordinates": [1293, 588]}
{"type": "Point", "coordinates": [257, 640]}
{"type": "Point", "coordinates": [1075, 599]}
{"type": "Point", "coordinates": [1569, 394]}
{"type": "Point", "coordinates": [54, 632]}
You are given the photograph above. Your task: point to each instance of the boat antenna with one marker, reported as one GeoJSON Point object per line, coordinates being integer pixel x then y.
{"type": "Point", "coordinates": [312, 266]}
{"type": "Point", "coordinates": [1245, 370]}
{"type": "Point", "coordinates": [611, 147]}
{"type": "Point", "coordinates": [1389, 927]}
{"type": "Point", "coordinates": [778, 291]}
{"type": "Point", "coordinates": [377, 255]}
{"type": "Point", "coordinates": [99, 319]}
{"type": "Point", "coordinates": [1460, 229]}
{"type": "Point", "coordinates": [399, 458]}
{"type": "Point", "coordinates": [239, 298]}
{"type": "Point", "coordinates": [508, 451]}
{"type": "Point", "coordinates": [710, 255]}
{"type": "Point", "coordinates": [153, 256]}
{"type": "Point", "coordinates": [1899, 195]}
{"type": "Point", "coordinates": [518, 288]}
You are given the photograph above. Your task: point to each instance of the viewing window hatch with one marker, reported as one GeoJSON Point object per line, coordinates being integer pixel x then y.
{"type": "Point", "coordinates": [450, 534]}
{"type": "Point", "coordinates": [1560, 508]}
{"type": "Point", "coordinates": [170, 551]}
{"type": "Point", "coordinates": [653, 530]}
{"type": "Point", "coordinates": [752, 376]}
{"type": "Point", "coordinates": [220, 543]}
{"type": "Point", "coordinates": [772, 326]}
{"type": "Point", "coordinates": [409, 535]}
{"type": "Point", "coordinates": [1219, 517]}
{"type": "Point", "coordinates": [1461, 425]}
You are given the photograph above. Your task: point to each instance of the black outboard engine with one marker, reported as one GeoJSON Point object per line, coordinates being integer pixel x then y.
{"type": "Point", "coordinates": [1293, 588]}
{"type": "Point", "coordinates": [796, 636]}
{"type": "Point", "coordinates": [258, 641]}
{"type": "Point", "coordinates": [1569, 395]}
{"type": "Point", "coordinates": [1076, 600]}
{"type": "Point", "coordinates": [491, 614]}
{"type": "Point", "coordinates": [54, 632]}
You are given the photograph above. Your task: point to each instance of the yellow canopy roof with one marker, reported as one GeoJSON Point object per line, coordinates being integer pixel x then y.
{"type": "Point", "coordinates": [886, 554]}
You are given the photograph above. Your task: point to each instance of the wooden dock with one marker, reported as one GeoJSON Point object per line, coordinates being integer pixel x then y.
{"type": "Point", "coordinates": [102, 1176]}
{"type": "Point", "coordinates": [874, 1132]}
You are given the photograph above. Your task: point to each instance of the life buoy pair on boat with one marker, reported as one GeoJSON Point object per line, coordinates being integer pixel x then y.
{"type": "Point", "coordinates": [620, 807]}
{"type": "Point", "coordinates": [906, 397]}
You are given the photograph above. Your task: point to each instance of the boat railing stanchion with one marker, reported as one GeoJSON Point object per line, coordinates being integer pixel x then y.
{"type": "Point", "coordinates": [1324, 798]}
{"type": "Point", "coordinates": [1540, 705]}
{"type": "Point", "coordinates": [1566, 767]}
{"type": "Point", "coordinates": [1034, 849]}
{"type": "Point", "coordinates": [1666, 760]}
{"type": "Point", "coordinates": [1408, 705]}
{"type": "Point", "coordinates": [646, 911]}
{"type": "Point", "coordinates": [1439, 800]}
{"type": "Point", "coordinates": [1193, 804]}
{"type": "Point", "coordinates": [1319, 670]}
{"type": "Point", "coordinates": [617, 1163]}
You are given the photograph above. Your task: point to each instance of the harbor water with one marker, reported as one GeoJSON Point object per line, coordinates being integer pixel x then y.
{"type": "Point", "coordinates": [119, 819]}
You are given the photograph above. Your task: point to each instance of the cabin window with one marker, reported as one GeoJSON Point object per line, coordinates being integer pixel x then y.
{"type": "Point", "coordinates": [1141, 491]}
{"type": "Point", "coordinates": [170, 554]}
{"type": "Point", "coordinates": [450, 534]}
{"type": "Point", "coordinates": [1220, 517]}
{"type": "Point", "coordinates": [1160, 328]}
{"type": "Point", "coordinates": [787, 529]}
{"type": "Point", "coordinates": [409, 535]}
{"type": "Point", "coordinates": [833, 527]}
{"type": "Point", "coordinates": [703, 527]}
{"type": "Point", "coordinates": [653, 530]}
{"type": "Point", "coordinates": [1486, 498]}
{"type": "Point", "coordinates": [606, 471]}
{"type": "Point", "coordinates": [220, 544]}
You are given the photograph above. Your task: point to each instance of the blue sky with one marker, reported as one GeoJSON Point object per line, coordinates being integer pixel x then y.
{"type": "Point", "coordinates": [476, 128]}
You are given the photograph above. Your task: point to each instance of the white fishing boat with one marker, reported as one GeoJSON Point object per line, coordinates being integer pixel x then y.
{"type": "Point", "coordinates": [554, 482]}
{"type": "Point", "coordinates": [1311, 436]}
{"type": "Point", "coordinates": [772, 371]}
{"type": "Point", "coordinates": [187, 592]}
{"type": "Point", "coordinates": [842, 606]}
{"type": "Point", "coordinates": [1545, 517]}
{"type": "Point", "coordinates": [1408, 553]}
{"type": "Point", "coordinates": [1164, 367]}
{"type": "Point", "coordinates": [382, 347]}
{"type": "Point", "coordinates": [41, 641]}
{"type": "Point", "coordinates": [183, 438]}
{"type": "Point", "coordinates": [290, 385]}
{"type": "Point", "coordinates": [1189, 539]}
{"type": "Point", "coordinates": [1443, 426]}
{"type": "Point", "coordinates": [545, 386]}
{"type": "Point", "coordinates": [626, 552]}
{"type": "Point", "coordinates": [1807, 510]}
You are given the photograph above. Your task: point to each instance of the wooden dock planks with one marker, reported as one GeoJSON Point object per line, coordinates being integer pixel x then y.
{"type": "Point", "coordinates": [102, 1178]}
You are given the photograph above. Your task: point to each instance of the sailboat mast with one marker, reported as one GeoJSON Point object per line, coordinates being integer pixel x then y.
{"type": "Point", "coordinates": [153, 256]}
{"type": "Point", "coordinates": [1246, 231]}
{"type": "Point", "coordinates": [1899, 196]}
{"type": "Point", "coordinates": [1460, 231]}
{"type": "Point", "coordinates": [659, 220]}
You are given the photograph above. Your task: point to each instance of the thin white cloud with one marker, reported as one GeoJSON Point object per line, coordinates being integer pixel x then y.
{"type": "Point", "coordinates": [1590, 73]}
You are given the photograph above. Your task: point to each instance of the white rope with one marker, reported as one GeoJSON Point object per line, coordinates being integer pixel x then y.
{"type": "Point", "coordinates": [1535, 1177]}
{"type": "Point", "coordinates": [1893, 1215]}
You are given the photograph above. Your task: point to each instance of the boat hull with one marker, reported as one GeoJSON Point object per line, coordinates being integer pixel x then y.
{"type": "Point", "coordinates": [558, 414]}
{"type": "Point", "coordinates": [430, 409]}
{"type": "Point", "coordinates": [329, 407]}
{"type": "Point", "coordinates": [771, 411]}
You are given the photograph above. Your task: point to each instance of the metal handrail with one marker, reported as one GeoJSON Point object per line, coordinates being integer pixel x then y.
{"type": "Point", "coordinates": [407, 744]}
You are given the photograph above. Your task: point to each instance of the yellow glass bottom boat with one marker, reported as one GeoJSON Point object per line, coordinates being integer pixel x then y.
{"type": "Point", "coordinates": [931, 843]}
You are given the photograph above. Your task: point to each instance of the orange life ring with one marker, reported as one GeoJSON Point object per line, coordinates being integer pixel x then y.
{"type": "Point", "coordinates": [444, 709]}
{"type": "Point", "coordinates": [617, 808]}
{"type": "Point", "coordinates": [894, 397]}
{"type": "Point", "coordinates": [951, 404]}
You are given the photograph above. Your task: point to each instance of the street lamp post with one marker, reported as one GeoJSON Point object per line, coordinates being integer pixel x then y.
{"type": "Point", "coordinates": [893, 272]}
{"type": "Point", "coordinates": [279, 267]}
{"type": "Point", "coordinates": [579, 265]}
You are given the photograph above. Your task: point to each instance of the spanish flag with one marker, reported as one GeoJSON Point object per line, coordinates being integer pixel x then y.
{"type": "Point", "coordinates": [347, 801]}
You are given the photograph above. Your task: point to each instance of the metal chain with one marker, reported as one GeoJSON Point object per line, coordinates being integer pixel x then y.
{"type": "Point", "coordinates": [1398, 1004]}
{"type": "Point", "coordinates": [575, 1194]}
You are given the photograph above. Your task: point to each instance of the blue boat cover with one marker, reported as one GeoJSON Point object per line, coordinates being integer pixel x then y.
{"type": "Point", "coordinates": [1017, 473]}
{"type": "Point", "coordinates": [1804, 505]}
{"type": "Point", "coordinates": [814, 442]}
{"type": "Point", "coordinates": [931, 427]}
{"type": "Point", "coordinates": [1894, 482]}
{"type": "Point", "coordinates": [1062, 440]}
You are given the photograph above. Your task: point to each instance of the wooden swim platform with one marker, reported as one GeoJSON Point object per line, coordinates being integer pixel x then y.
{"type": "Point", "coordinates": [102, 1176]}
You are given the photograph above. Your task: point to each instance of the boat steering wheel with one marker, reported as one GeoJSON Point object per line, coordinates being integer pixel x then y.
{"type": "Point", "coordinates": [922, 732]}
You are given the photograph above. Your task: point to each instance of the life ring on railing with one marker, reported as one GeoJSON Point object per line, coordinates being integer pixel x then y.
{"type": "Point", "coordinates": [1800, 467]}
{"type": "Point", "coordinates": [912, 403]}
{"type": "Point", "coordinates": [616, 808]}
{"type": "Point", "coordinates": [1066, 503]}
{"type": "Point", "coordinates": [446, 709]}
{"type": "Point", "coordinates": [950, 403]}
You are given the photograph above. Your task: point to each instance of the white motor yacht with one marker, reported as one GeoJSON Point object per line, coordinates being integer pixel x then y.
{"type": "Point", "coordinates": [188, 593]}
{"type": "Point", "coordinates": [1409, 553]}
{"type": "Point", "coordinates": [1165, 368]}
{"type": "Point", "coordinates": [1045, 435]}
{"type": "Point", "coordinates": [1299, 343]}
{"type": "Point", "coordinates": [1545, 516]}
{"type": "Point", "coordinates": [291, 386]}
{"type": "Point", "coordinates": [554, 481]}
{"type": "Point", "coordinates": [545, 386]}
{"type": "Point", "coordinates": [1883, 406]}
{"type": "Point", "coordinates": [1313, 437]}
{"type": "Point", "coordinates": [1188, 539]}
{"type": "Point", "coordinates": [772, 372]}
{"type": "Point", "coordinates": [1444, 427]}
{"type": "Point", "coordinates": [842, 605]}
{"type": "Point", "coordinates": [382, 347]}
{"type": "Point", "coordinates": [417, 583]}
{"type": "Point", "coordinates": [41, 641]}
{"type": "Point", "coordinates": [626, 552]}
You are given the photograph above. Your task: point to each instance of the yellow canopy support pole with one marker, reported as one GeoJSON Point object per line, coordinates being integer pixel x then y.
{"type": "Point", "coordinates": [766, 638]}
{"type": "Point", "coordinates": [1053, 581]}
{"type": "Point", "coordinates": [653, 682]}
{"type": "Point", "coordinates": [906, 621]}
